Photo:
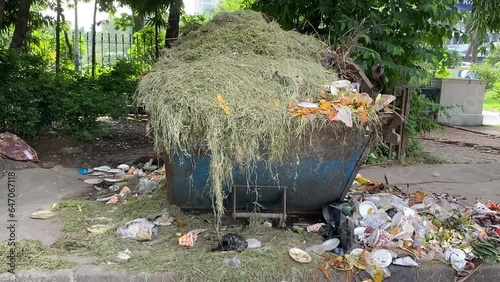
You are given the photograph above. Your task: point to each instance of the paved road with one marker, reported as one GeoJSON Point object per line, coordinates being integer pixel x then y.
{"type": "Point", "coordinates": [491, 118]}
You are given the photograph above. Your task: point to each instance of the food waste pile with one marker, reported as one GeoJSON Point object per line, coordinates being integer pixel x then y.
{"type": "Point", "coordinates": [379, 225]}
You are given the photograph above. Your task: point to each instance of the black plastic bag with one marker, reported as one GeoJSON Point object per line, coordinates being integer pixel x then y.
{"type": "Point", "coordinates": [232, 242]}
{"type": "Point", "coordinates": [337, 225]}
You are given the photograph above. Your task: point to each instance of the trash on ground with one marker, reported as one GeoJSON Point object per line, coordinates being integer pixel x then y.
{"type": "Point", "coordinates": [163, 219]}
{"type": "Point", "coordinates": [299, 255]}
{"type": "Point", "coordinates": [254, 243]}
{"type": "Point", "coordinates": [405, 261]}
{"type": "Point", "coordinates": [113, 200]}
{"type": "Point", "coordinates": [125, 192]}
{"type": "Point", "coordinates": [232, 242]}
{"type": "Point", "coordinates": [139, 229]}
{"type": "Point", "coordinates": [233, 262]}
{"type": "Point", "coordinates": [93, 181]}
{"type": "Point", "coordinates": [98, 228]}
{"type": "Point", "coordinates": [123, 256]}
{"type": "Point", "coordinates": [188, 239]}
{"type": "Point", "coordinates": [15, 148]}
{"type": "Point", "coordinates": [147, 186]}
{"type": "Point", "coordinates": [320, 249]}
{"type": "Point", "coordinates": [315, 227]}
{"type": "Point", "coordinates": [42, 215]}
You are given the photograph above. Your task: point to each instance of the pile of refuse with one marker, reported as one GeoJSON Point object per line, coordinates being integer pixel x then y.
{"type": "Point", "coordinates": [117, 184]}
{"type": "Point", "coordinates": [379, 225]}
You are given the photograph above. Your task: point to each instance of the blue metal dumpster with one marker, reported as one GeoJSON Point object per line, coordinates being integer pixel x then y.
{"type": "Point", "coordinates": [326, 167]}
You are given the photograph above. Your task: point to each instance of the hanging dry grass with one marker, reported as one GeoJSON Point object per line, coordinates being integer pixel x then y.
{"type": "Point", "coordinates": [225, 89]}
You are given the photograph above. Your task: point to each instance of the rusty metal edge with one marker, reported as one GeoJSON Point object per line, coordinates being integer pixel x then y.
{"type": "Point", "coordinates": [169, 174]}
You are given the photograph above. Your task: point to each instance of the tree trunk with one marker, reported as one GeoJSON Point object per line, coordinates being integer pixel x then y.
{"type": "Point", "coordinates": [69, 48]}
{"type": "Point", "coordinates": [93, 39]}
{"type": "Point", "coordinates": [138, 22]}
{"type": "Point", "coordinates": [21, 28]}
{"type": "Point", "coordinates": [174, 18]}
{"type": "Point", "coordinates": [2, 11]}
{"type": "Point", "coordinates": [58, 36]}
{"type": "Point", "coordinates": [157, 39]}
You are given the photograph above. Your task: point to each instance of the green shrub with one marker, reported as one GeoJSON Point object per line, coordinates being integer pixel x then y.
{"type": "Point", "coordinates": [33, 98]}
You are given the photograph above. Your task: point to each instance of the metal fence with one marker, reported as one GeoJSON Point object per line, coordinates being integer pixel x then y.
{"type": "Point", "coordinates": [113, 47]}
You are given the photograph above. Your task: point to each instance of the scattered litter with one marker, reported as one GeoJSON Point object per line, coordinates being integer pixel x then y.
{"type": "Point", "coordinates": [93, 181]}
{"type": "Point", "coordinates": [267, 224]}
{"type": "Point", "coordinates": [42, 215]}
{"type": "Point", "coordinates": [149, 166]}
{"type": "Point", "coordinates": [435, 174]}
{"type": "Point", "coordinates": [113, 200]}
{"type": "Point", "coordinates": [84, 170]}
{"type": "Point", "coordinates": [405, 261]}
{"type": "Point", "coordinates": [103, 168]}
{"type": "Point", "coordinates": [232, 263]}
{"type": "Point", "coordinates": [188, 239]}
{"type": "Point", "coordinates": [140, 229]}
{"type": "Point", "coordinates": [147, 186]}
{"type": "Point", "coordinates": [456, 258]}
{"type": "Point", "coordinates": [382, 257]}
{"type": "Point", "coordinates": [15, 148]}
{"type": "Point", "coordinates": [124, 167]}
{"type": "Point", "coordinates": [314, 228]}
{"type": "Point", "coordinates": [114, 188]}
{"type": "Point", "coordinates": [124, 192]}
{"type": "Point", "coordinates": [232, 242]}
{"type": "Point", "coordinates": [299, 255]}
{"type": "Point", "coordinates": [344, 114]}
{"type": "Point", "coordinates": [98, 228]}
{"type": "Point", "coordinates": [123, 256]}
{"type": "Point", "coordinates": [163, 219]}
{"type": "Point", "coordinates": [254, 243]}
{"type": "Point", "coordinates": [320, 249]}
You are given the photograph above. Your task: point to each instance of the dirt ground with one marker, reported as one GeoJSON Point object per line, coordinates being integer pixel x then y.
{"type": "Point", "coordinates": [127, 142]}
{"type": "Point", "coordinates": [460, 146]}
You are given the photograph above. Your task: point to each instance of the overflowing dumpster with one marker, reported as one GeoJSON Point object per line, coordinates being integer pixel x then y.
{"type": "Point", "coordinates": [310, 181]}
{"type": "Point", "coordinates": [256, 119]}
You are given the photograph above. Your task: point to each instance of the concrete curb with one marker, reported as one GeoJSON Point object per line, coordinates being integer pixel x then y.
{"type": "Point", "coordinates": [86, 274]}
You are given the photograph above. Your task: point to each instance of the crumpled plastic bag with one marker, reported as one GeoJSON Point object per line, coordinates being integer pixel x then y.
{"type": "Point", "coordinates": [139, 229]}
{"type": "Point", "coordinates": [188, 240]}
{"type": "Point", "coordinates": [147, 186]}
{"type": "Point", "coordinates": [232, 242]}
{"type": "Point", "coordinates": [344, 114]}
{"type": "Point", "coordinates": [456, 257]}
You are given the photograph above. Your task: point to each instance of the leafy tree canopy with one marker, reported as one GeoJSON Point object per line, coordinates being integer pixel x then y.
{"type": "Point", "coordinates": [404, 35]}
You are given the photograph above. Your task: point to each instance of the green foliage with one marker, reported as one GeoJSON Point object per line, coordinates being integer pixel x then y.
{"type": "Point", "coordinates": [232, 5]}
{"type": "Point", "coordinates": [143, 48]}
{"type": "Point", "coordinates": [452, 59]}
{"type": "Point", "coordinates": [190, 23]}
{"type": "Point", "coordinates": [34, 98]}
{"type": "Point", "coordinates": [405, 36]}
{"type": "Point", "coordinates": [493, 59]}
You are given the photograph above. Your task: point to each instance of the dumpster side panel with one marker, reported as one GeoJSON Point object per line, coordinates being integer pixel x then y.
{"type": "Point", "coordinates": [311, 181]}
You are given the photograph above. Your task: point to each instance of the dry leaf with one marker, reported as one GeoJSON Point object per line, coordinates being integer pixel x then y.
{"type": "Point", "coordinates": [364, 117]}
{"type": "Point", "coordinates": [223, 104]}
{"type": "Point", "coordinates": [276, 102]}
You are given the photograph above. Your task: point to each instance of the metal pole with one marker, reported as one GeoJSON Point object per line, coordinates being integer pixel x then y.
{"type": "Point", "coordinates": [77, 40]}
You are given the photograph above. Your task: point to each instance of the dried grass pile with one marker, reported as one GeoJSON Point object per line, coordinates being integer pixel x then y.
{"type": "Point", "coordinates": [225, 89]}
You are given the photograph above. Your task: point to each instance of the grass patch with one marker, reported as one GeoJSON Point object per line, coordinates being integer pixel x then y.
{"type": "Point", "coordinates": [32, 254]}
{"type": "Point", "coordinates": [491, 101]}
{"type": "Point", "coordinates": [269, 263]}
